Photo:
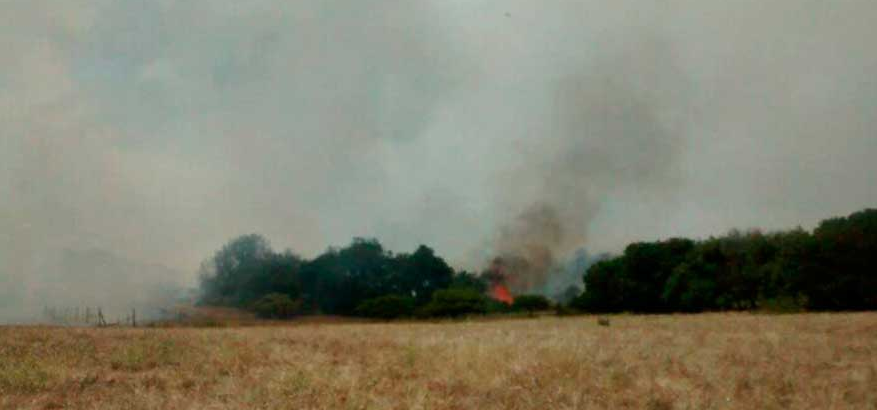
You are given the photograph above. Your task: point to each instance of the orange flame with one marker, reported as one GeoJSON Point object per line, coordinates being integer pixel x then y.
{"type": "Point", "coordinates": [502, 294]}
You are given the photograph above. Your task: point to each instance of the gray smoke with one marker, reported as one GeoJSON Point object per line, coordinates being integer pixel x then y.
{"type": "Point", "coordinates": [604, 133]}
{"type": "Point", "coordinates": [154, 131]}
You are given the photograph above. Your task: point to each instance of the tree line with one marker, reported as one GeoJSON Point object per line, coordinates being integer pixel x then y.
{"type": "Point", "coordinates": [834, 267]}
{"type": "Point", "coordinates": [361, 279]}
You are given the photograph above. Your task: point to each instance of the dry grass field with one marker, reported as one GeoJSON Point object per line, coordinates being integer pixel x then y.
{"type": "Point", "coordinates": [711, 361]}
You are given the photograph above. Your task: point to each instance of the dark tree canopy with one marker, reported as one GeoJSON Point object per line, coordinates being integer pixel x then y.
{"type": "Point", "coordinates": [454, 303]}
{"type": "Point", "coordinates": [468, 280]}
{"type": "Point", "coordinates": [832, 268]}
{"type": "Point", "coordinates": [336, 282]}
{"type": "Point", "coordinates": [531, 303]}
{"type": "Point", "coordinates": [277, 306]}
{"type": "Point", "coordinates": [246, 269]}
{"type": "Point", "coordinates": [386, 307]}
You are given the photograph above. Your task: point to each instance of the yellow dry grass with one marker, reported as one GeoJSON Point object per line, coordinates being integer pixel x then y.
{"type": "Point", "coordinates": [711, 361]}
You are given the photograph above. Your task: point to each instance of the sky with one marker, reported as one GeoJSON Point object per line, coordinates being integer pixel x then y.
{"type": "Point", "coordinates": [156, 130]}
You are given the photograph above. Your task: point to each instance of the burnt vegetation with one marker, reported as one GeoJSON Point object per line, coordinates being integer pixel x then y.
{"type": "Point", "coordinates": [834, 267]}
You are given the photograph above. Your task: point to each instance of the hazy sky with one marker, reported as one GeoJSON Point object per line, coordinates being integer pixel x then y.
{"type": "Point", "coordinates": [158, 129]}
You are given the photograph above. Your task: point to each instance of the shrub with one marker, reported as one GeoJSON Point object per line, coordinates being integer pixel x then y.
{"type": "Point", "coordinates": [493, 306]}
{"type": "Point", "coordinates": [277, 306]}
{"type": "Point", "coordinates": [531, 303]}
{"type": "Point", "coordinates": [386, 307]}
{"type": "Point", "coordinates": [453, 303]}
{"type": "Point", "coordinates": [783, 304]}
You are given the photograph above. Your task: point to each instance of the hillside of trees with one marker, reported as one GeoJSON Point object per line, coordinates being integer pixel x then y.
{"type": "Point", "coordinates": [834, 267]}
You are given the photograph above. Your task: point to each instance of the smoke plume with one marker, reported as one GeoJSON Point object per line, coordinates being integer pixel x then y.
{"type": "Point", "coordinates": [605, 134]}
{"type": "Point", "coordinates": [510, 133]}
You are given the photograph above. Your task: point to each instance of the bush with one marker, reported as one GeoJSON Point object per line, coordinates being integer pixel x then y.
{"type": "Point", "coordinates": [277, 306]}
{"type": "Point", "coordinates": [783, 304]}
{"type": "Point", "coordinates": [493, 306]}
{"type": "Point", "coordinates": [386, 307]}
{"type": "Point", "coordinates": [453, 303]}
{"type": "Point", "coordinates": [531, 303]}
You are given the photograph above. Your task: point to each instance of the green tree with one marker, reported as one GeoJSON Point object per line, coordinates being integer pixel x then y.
{"type": "Point", "coordinates": [691, 287]}
{"type": "Point", "coordinates": [841, 271]}
{"type": "Point", "coordinates": [646, 268]}
{"type": "Point", "coordinates": [468, 280]}
{"type": "Point", "coordinates": [420, 274]}
{"type": "Point", "coordinates": [604, 287]}
{"type": "Point", "coordinates": [386, 307]}
{"type": "Point", "coordinates": [277, 306]}
{"type": "Point", "coordinates": [531, 303]}
{"type": "Point", "coordinates": [229, 278]}
{"type": "Point", "coordinates": [453, 303]}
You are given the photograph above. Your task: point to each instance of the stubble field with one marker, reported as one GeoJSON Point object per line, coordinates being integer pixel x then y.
{"type": "Point", "coordinates": [710, 361]}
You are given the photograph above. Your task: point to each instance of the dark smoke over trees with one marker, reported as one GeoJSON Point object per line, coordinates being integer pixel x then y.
{"type": "Point", "coordinates": [514, 132]}
{"type": "Point", "coordinates": [605, 133]}
{"type": "Point", "coordinates": [832, 268]}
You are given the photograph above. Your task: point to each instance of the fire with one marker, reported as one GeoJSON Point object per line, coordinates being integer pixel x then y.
{"type": "Point", "coordinates": [502, 294]}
